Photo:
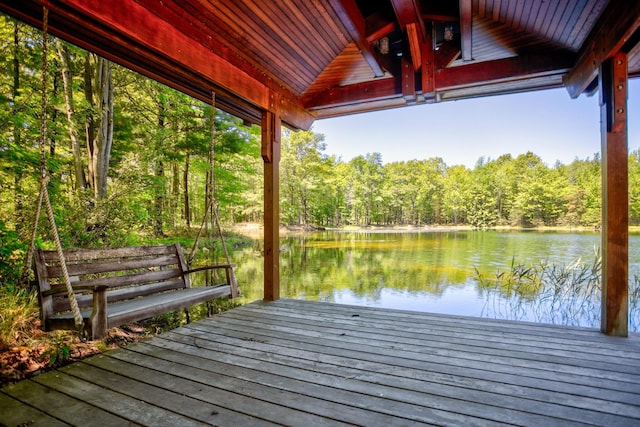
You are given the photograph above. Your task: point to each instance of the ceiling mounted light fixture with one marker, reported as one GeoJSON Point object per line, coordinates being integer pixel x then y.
{"type": "Point", "coordinates": [448, 33]}
{"type": "Point", "coordinates": [383, 45]}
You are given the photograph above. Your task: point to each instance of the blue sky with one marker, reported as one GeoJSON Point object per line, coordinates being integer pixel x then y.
{"type": "Point", "coordinates": [548, 123]}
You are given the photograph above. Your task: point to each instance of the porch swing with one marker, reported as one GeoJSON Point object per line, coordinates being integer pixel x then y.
{"type": "Point", "coordinates": [92, 290]}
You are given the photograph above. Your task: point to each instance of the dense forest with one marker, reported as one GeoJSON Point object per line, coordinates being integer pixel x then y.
{"type": "Point", "coordinates": [128, 156]}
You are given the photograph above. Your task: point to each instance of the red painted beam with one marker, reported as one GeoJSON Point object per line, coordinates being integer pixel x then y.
{"type": "Point", "coordinates": [407, 12]}
{"type": "Point", "coordinates": [410, 20]}
{"type": "Point", "coordinates": [501, 70]}
{"type": "Point", "coordinates": [408, 82]}
{"type": "Point", "coordinates": [619, 23]}
{"type": "Point", "coordinates": [428, 70]}
{"type": "Point", "coordinates": [378, 26]}
{"type": "Point", "coordinates": [477, 74]}
{"type": "Point", "coordinates": [271, 153]}
{"type": "Point", "coordinates": [355, 24]}
{"type": "Point", "coordinates": [375, 90]}
{"type": "Point", "coordinates": [613, 83]}
{"type": "Point", "coordinates": [447, 53]}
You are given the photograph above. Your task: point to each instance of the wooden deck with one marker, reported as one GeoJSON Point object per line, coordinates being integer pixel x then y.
{"type": "Point", "coordinates": [312, 364]}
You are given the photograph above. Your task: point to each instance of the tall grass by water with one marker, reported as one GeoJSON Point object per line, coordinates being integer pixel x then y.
{"type": "Point", "coordinates": [563, 294]}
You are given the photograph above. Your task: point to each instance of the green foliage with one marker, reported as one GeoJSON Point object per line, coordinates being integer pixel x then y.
{"type": "Point", "coordinates": [59, 349]}
{"type": "Point", "coordinates": [12, 254]}
{"type": "Point", "coordinates": [520, 191]}
{"type": "Point", "coordinates": [18, 312]}
{"type": "Point", "coordinates": [304, 172]}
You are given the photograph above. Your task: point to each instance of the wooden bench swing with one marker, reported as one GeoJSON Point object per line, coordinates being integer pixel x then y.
{"type": "Point", "coordinates": [93, 290]}
{"type": "Point", "coordinates": [115, 286]}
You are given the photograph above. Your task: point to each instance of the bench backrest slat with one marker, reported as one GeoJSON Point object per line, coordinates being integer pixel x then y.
{"type": "Point", "coordinates": [112, 265]}
{"type": "Point", "coordinates": [113, 282]}
{"type": "Point", "coordinates": [74, 255]}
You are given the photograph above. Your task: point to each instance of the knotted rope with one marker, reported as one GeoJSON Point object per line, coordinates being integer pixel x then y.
{"type": "Point", "coordinates": [44, 192]}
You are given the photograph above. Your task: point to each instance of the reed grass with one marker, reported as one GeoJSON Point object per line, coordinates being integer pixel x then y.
{"type": "Point", "coordinates": [562, 294]}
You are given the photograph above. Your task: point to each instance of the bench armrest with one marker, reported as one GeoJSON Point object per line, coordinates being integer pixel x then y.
{"type": "Point", "coordinates": [228, 269]}
{"type": "Point", "coordinates": [210, 267]}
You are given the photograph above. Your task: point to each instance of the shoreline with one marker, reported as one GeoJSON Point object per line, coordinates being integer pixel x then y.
{"type": "Point", "coordinates": [256, 229]}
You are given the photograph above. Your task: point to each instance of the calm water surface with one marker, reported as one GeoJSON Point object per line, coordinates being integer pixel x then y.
{"type": "Point", "coordinates": [424, 271]}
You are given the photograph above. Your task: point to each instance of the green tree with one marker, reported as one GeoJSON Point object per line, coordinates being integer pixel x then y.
{"type": "Point", "coordinates": [20, 85]}
{"type": "Point", "coordinates": [429, 175]}
{"type": "Point", "coordinates": [481, 206]}
{"type": "Point", "coordinates": [367, 176]}
{"type": "Point", "coordinates": [634, 187]}
{"type": "Point", "coordinates": [541, 193]}
{"type": "Point", "coordinates": [456, 194]}
{"type": "Point", "coordinates": [302, 175]}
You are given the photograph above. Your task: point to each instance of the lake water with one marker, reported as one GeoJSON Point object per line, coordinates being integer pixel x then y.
{"type": "Point", "coordinates": [433, 271]}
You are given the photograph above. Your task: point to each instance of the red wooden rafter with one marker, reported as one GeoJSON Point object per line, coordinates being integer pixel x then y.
{"type": "Point", "coordinates": [355, 24]}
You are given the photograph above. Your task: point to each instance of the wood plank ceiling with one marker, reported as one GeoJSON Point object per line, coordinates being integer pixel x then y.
{"type": "Point", "coordinates": [314, 59]}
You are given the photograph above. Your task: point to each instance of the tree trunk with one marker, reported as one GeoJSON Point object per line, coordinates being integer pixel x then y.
{"type": "Point", "coordinates": [159, 199]}
{"type": "Point", "coordinates": [175, 190]}
{"type": "Point", "coordinates": [159, 171]}
{"type": "Point", "coordinates": [185, 186]}
{"type": "Point", "coordinates": [67, 81]}
{"type": "Point", "coordinates": [18, 192]}
{"type": "Point", "coordinates": [104, 141]}
{"type": "Point", "coordinates": [90, 124]}
{"type": "Point", "coordinates": [99, 133]}
{"type": "Point", "coordinates": [53, 113]}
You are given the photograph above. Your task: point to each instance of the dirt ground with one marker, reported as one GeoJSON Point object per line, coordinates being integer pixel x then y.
{"type": "Point", "coordinates": [49, 350]}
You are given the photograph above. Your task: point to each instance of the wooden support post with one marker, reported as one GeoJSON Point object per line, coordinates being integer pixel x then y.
{"type": "Point", "coordinates": [408, 81]}
{"type": "Point", "coordinates": [615, 196]}
{"type": "Point", "coordinates": [271, 130]}
{"type": "Point", "coordinates": [428, 73]}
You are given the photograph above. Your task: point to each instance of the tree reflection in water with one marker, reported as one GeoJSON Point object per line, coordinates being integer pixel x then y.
{"type": "Point", "coordinates": [529, 276]}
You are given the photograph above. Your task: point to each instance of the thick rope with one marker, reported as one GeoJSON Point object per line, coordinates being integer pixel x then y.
{"type": "Point", "coordinates": [211, 207]}
{"type": "Point", "coordinates": [32, 245]}
{"type": "Point", "coordinates": [209, 183]}
{"type": "Point", "coordinates": [77, 316]}
{"type": "Point", "coordinates": [232, 276]}
{"type": "Point", "coordinates": [194, 248]}
{"type": "Point", "coordinates": [214, 207]}
{"type": "Point", "coordinates": [44, 179]}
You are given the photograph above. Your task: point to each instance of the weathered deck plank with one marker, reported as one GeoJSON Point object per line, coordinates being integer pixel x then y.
{"type": "Point", "coordinates": [159, 389]}
{"type": "Point", "coordinates": [398, 357]}
{"type": "Point", "coordinates": [56, 404]}
{"type": "Point", "coordinates": [15, 412]}
{"type": "Point", "coordinates": [296, 362]}
{"type": "Point", "coordinates": [408, 338]}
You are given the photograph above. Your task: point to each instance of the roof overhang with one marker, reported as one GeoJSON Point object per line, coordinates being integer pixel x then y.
{"type": "Point", "coordinates": [307, 60]}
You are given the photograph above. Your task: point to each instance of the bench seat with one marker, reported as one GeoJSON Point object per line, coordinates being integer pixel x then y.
{"type": "Point", "coordinates": [123, 312]}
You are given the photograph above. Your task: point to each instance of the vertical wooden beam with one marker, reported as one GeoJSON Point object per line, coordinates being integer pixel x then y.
{"type": "Point", "coordinates": [615, 196]}
{"type": "Point", "coordinates": [408, 81]}
{"type": "Point", "coordinates": [465, 29]}
{"type": "Point", "coordinates": [271, 131]}
{"type": "Point", "coordinates": [428, 72]}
